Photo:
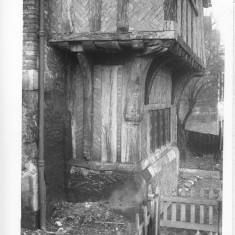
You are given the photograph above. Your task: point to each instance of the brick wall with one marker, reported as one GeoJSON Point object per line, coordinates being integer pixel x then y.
{"type": "Point", "coordinates": [55, 116]}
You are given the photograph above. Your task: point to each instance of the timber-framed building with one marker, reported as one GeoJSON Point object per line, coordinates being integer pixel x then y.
{"type": "Point", "coordinates": [113, 72]}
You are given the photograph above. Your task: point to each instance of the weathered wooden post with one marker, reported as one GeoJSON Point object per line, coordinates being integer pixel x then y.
{"type": "Point", "coordinates": [157, 212]}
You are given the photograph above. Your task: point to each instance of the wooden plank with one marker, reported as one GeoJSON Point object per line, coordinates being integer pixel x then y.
{"type": "Point", "coordinates": [152, 132]}
{"type": "Point", "coordinates": [67, 16]}
{"type": "Point", "coordinates": [113, 108]}
{"type": "Point", "coordinates": [109, 113]}
{"type": "Point", "coordinates": [173, 211]}
{"type": "Point", "coordinates": [164, 210]}
{"type": "Point", "coordinates": [122, 16]}
{"type": "Point", "coordinates": [187, 225]}
{"type": "Point", "coordinates": [95, 15]}
{"type": "Point", "coordinates": [198, 31]}
{"type": "Point", "coordinates": [149, 107]}
{"type": "Point", "coordinates": [202, 207]}
{"type": "Point", "coordinates": [119, 111]}
{"type": "Point", "coordinates": [97, 124]}
{"type": "Point", "coordinates": [190, 200]}
{"type": "Point", "coordinates": [183, 19]}
{"type": "Point", "coordinates": [187, 6]}
{"type": "Point", "coordinates": [192, 30]}
{"type": "Point", "coordinates": [192, 213]}
{"type": "Point", "coordinates": [211, 208]}
{"type": "Point", "coordinates": [145, 215]}
{"type": "Point", "coordinates": [76, 106]}
{"type": "Point", "coordinates": [194, 7]}
{"type": "Point", "coordinates": [183, 211]}
{"type": "Point", "coordinates": [137, 223]}
{"type": "Point", "coordinates": [104, 166]}
{"type": "Point", "coordinates": [189, 22]}
{"type": "Point", "coordinates": [173, 124]}
{"type": "Point", "coordinates": [85, 65]}
{"type": "Point", "coordinates": [179, 17]}
{"type": "Point", "coordinates": [156, 130]}
{"type": "Point", "coordinates": [157, 214]}
{"type": "Point", "coordinates": [203, 36]}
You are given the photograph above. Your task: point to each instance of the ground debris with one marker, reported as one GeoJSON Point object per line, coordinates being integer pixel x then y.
{"type": "Point", "coordinates": [88, 218]}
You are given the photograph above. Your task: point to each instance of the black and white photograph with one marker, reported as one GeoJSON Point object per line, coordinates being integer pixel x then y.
{"type": "Point", "coordinates": [124, 127]}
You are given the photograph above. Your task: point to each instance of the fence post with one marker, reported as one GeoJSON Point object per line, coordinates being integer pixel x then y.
{"type": "Point", "coordinates": [137, 223]}
{"type": "Point", "coordinates": [202, 213]}
{"type": "Point", "coordinates": [211, 208]}
{"type": "Point", "coordinates": [220, 218]}
{"type": "Point", "coordinates": [145, 214]}
{"type": "Point", "coordinates": [157, 212]}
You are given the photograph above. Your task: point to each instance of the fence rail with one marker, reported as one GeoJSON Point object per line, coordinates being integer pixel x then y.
{"type": "Point", "coordinates": [181, 212]}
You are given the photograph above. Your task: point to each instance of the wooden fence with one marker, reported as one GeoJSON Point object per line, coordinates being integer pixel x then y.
{"type": "Point", "coordinates": [202, 213]}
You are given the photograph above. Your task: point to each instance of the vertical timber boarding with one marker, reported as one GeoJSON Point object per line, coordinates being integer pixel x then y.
{"type": "Point", "coordinates": [107, 112]}
{"type": "Point", "coordinates": [190, 25]}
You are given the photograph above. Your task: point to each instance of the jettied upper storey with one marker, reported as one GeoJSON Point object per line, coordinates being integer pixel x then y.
{"type": "Point", "coordinates": [147, 26]}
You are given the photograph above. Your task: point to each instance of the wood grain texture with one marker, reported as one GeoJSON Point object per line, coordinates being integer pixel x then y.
{"type": "Point", "coordinates": [68, 17]}
{"type": "Point", "coordinates": [109, 16]}
{"type": "Point", "coordinates": [85, 65]}
{"type": "Point", "coordinates": [179, 17]}
{"type": "Point", "coordinates": [161, 87]}
{"type": "Point", "coordinates": [170, 10]}
{"type": "Point", "coordinates": [97, 120]}
{"type": "Point", "coordinates": [95, 15]}
{"type": "Point", "coordinates": [122, 16]}
{"type": "Point", "coordinates": [81, 10]}
{"type": "Point", "coordinates": [146, 15]}
{"type": "Point", "coordinates": [183, 19]}
{"type": "Point", "coordinates": [119, 111]}
{"type": "Point", "coordinates": [189, 22]}
{"type": "Point", "coordinates": [173, 124]}
{"type": "Point", "coordinates": [108, 112]}
{"type": "Point", "coordinates": [76, 106]}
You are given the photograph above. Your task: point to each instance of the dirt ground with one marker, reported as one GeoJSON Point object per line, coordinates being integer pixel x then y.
{"type": "Point", "coordinates": [96, 218]}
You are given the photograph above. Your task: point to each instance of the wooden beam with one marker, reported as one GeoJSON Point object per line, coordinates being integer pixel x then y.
{"type": "Point", "coordinates": [189, 22]}
{"type": "Point", "coordinates": [183, 19]}
{"type": "Point", "coordinates": [188, 225]}
{"type": "Point", "coordinates": [106, 166]}
{"type": "Point", "coordinates": [108, 45]}
{"type": "Point", "coordinates": [102, 36]}
{"type": "Point", "coordinates": [67, 17]}
{"type": "Point", "coordinates": [194, 6]}
{"type": "Point", "coordinates": [85, 65]}
{"type": "Point", "coordinates": [179, 17]}
{"type": "Point", "coordinates": [89, 46]}
{"type": "Point", "coordinates": [170, 10]}
{"type": "Point", "coordinates": [122, 16]}
{"type": "Point", "coordinates": [76, 47]}
{"type": "Point", "coordinates": [64, 45]}
{"type": "Point", "coordinates": [137, 44]}
{"type": "Point", "coordinates": [201, 201]}
{"type": "Point", "coordinates": [95, 15]}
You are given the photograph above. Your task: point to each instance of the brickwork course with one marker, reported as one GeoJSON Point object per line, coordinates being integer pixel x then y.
{"type": "Point", "coordinates": [54, 117]}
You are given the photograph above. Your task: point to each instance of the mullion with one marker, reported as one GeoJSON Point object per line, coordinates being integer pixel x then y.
{"type": "Point", "coordinates": [152, 133]}
{"type": "Point", "coordinates": [159, 129]}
